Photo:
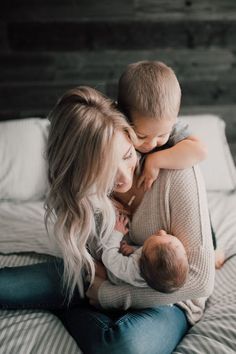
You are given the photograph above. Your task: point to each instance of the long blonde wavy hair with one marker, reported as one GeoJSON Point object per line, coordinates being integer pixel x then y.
{"type": "Point", "coordinates": [82, 168]}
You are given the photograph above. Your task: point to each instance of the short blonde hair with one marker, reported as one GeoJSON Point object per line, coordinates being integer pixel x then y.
{"type": "Point", "coordinates": [82, 168]}
{"type": "Point", "coordinates": [149, 88]}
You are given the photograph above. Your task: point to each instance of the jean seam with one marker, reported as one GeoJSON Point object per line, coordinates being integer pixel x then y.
{"type": "Point", "coordinates": [99, 322]}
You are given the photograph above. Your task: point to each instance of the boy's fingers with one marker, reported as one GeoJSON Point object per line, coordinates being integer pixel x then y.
{"type": "Point", "coordinates": [140, 181]}
{"type": "Point", "coordinates": [149, 183]}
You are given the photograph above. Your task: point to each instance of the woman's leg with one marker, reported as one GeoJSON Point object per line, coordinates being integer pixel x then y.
{"type": "Point", "coordinates": [33, 286]}
{"type": "Point", "coordinates": [153, 331]}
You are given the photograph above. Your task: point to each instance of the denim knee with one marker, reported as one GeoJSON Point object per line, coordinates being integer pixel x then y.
{"type": "Point", "coordinates": [152, 331]}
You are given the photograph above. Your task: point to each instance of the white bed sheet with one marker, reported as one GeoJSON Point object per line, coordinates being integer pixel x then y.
{"type": "Point", "coordinates": [222, 208]}
{"type": "Point", "coordinates": [22, 226]}
{"type": "Point", "coordinates": [22, 229]}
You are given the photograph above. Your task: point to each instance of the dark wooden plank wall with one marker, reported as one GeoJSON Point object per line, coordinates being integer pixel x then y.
{"type": "Point", "coordinates": [48, 46]}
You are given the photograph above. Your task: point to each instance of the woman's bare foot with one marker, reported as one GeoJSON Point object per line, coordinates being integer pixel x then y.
{"type": "Point", "coordinates": [219, 258]}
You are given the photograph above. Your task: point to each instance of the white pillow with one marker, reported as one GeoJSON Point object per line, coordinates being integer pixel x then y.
{"type": "Point", "coordinates": [23, 168]}
{"type": "Point", "coordinates": [218, 169]}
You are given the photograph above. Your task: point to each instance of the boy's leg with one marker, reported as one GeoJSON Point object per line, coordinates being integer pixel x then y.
{"type": "Point", "coordinates": [33, 286]}
{"type": "Point", "coordinates": [153, 331]}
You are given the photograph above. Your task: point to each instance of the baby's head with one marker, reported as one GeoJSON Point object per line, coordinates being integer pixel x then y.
{"type": "Point", "coordinates": [164, 263]}
{"type": "Point", "coordinates": [149, 95]}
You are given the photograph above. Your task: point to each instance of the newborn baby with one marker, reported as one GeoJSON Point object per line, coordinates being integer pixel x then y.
{"type": "Point", "coordinates": [160, 263]}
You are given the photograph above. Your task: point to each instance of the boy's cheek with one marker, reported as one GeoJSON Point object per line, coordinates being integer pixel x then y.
{"type": "Point", "coordinates": [138, 144]}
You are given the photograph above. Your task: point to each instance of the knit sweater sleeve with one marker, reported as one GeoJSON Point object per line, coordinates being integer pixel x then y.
{"type": "Point", "coordinates": [183, 199]}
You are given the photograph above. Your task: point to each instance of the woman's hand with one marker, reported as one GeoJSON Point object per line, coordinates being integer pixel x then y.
{"type": "Point", "coordinates": [100, 270]}
{"type": "Point", "coordinates": [92, 292]}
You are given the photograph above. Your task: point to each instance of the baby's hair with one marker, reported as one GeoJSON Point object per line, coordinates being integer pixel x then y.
{"type": "Point", "coordinates": [82, 168]}
{"type": "Point", "coordinates": [149, 88]}
{"type": "Point", "coordinates": [163, 270]}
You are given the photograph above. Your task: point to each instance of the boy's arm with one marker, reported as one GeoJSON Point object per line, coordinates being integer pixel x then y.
{"type": "Point", "coordinates": [184, 154]}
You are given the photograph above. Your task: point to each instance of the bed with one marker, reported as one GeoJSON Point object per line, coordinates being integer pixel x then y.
{"type": "Point", "coordinates": [23, 239]}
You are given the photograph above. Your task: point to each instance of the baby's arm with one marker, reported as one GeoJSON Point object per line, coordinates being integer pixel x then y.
{"type": "Point", "coordinates": [120, 267]}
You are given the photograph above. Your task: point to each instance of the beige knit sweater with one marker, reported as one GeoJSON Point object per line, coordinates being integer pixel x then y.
{"type": "Point", "coordinates": [176, 203]}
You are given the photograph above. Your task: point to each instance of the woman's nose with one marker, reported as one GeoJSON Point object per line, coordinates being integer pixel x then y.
{"type": "Point", "coordinates": [125, 174]}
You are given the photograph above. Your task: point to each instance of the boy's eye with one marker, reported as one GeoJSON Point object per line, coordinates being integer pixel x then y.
{"type": "Point", "coordinates": [162, 136]}
{"type": "Point", "coordinates": [141, 137]}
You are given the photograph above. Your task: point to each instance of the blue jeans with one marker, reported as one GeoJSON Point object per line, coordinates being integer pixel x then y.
{"type": "Point", "coordinates": [154, 331]}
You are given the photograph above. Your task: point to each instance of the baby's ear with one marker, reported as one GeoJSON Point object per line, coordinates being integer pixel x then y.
{"type": "Point", "coordinates": [162, 232]}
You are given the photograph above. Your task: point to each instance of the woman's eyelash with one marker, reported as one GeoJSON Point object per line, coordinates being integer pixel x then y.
{"type": "Point", "coordinates": [128, 156]}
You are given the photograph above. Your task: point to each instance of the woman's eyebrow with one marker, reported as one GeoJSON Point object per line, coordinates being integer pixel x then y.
{"type": "Point", "coordinates": [127, 152]}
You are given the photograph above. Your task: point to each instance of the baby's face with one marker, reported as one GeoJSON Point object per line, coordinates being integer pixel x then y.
{"type": "Point", "coordinates": [151, 132]}
{"type": "Point", "coordinates": [161, 237]}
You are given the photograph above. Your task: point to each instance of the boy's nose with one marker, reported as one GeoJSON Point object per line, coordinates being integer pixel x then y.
{"type": "Point", "coordinates": [152, 143]}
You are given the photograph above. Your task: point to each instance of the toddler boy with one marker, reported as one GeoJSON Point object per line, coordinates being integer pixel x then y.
{"type": "Point", "coordinates": [149, 95]}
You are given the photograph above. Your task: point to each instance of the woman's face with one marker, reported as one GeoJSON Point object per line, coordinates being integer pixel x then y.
{"type": "Point", "coordinates": [127, 162]}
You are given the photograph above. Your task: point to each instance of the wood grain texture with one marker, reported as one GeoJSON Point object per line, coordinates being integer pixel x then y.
{"type": "Point", "coordinates": [120, 34]}
{"type": "Point", "coordinates": [49, 46]}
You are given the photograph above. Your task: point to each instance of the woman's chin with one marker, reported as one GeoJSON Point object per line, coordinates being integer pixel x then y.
{"type": "Point", "coordinates": [125, 187]}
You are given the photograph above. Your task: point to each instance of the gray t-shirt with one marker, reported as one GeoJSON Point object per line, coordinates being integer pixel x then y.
{"type": "Point", "coordinates": [179, 132]}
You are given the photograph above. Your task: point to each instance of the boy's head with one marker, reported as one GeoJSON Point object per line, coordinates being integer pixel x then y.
{"type": "Point", "coordinates": [149, 94]}
{"type": "Point", "coordinates": [164, 263]}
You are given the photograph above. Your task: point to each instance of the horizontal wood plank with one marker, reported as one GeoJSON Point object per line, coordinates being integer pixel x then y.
{"type": "Point", "coordinates": [213, 63]}
{"type": "Point", "coordinates": [123, 35]}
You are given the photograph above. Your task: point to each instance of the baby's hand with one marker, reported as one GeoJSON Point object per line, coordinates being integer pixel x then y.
{"type": "Point", "coordinates": [121, 223]}
{"type": "Point", "coordinates": [149, 174]}
{"type": "Point", "coordinates": [126, 249]}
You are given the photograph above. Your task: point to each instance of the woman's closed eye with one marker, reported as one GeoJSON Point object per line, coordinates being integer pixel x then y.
{"type": "Point", "coordinates": [129, 156]}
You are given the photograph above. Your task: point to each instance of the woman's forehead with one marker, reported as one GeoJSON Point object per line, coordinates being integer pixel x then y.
{"type": "Point", "coordinates": [122, 142]}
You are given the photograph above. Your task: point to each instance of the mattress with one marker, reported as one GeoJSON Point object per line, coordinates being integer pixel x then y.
{"type": "Point", "coordinates": [35, 331]}
{"type": "Point", "coordinates": [29, 331]}
{"type": "Point", "coordinates": [216, 332]}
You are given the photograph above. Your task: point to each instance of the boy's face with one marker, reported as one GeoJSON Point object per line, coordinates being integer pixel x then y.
{"type": "Point", "coordinates": [151, 132]}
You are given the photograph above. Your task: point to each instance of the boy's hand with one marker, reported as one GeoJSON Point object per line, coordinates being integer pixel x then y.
{"type": "Point", "coordinates": [149, 174]}
{"type": "Point", "coordinates": [121, 223]}
{"type": "Point", "coordinates": [126, 249]}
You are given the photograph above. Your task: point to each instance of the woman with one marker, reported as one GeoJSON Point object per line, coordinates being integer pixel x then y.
{"type": "Point", "coordinates": [91, 158]}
